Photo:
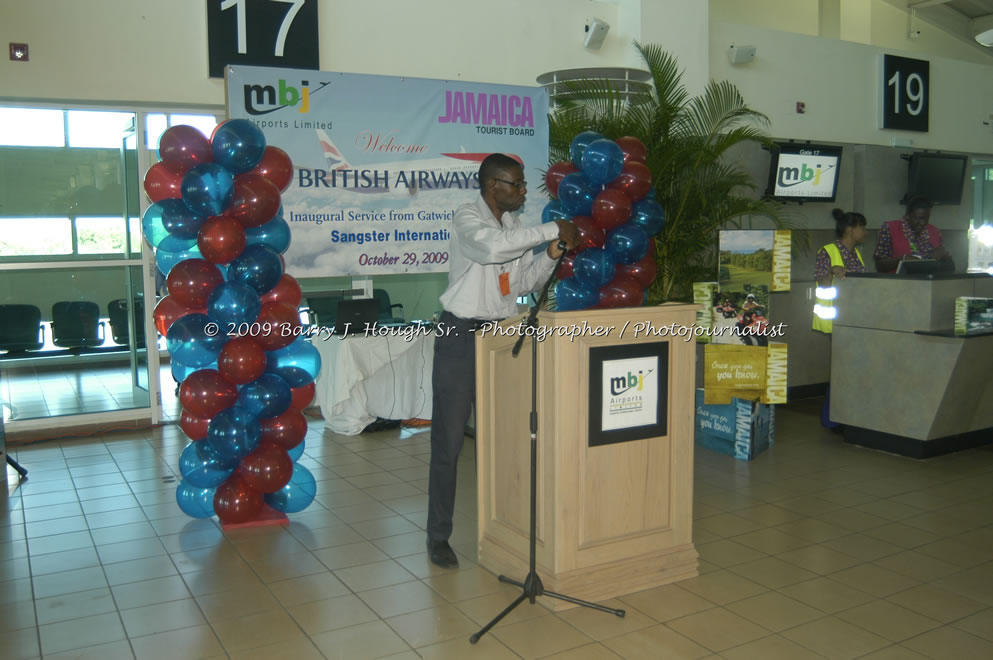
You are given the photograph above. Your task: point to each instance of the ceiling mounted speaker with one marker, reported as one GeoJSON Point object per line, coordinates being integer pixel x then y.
{"type": "Point", "coordinates": [741, 54]}
{"type": "Point", "coordinates": [982, 29]}
{"type": "Point", "coordinates": [596, 32]}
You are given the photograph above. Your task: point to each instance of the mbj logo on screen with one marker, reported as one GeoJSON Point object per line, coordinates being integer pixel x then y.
{"type": "Point", "coordinates": [791, 176]}
{"type": "Point", "coordinates": [263, 99]}
{"type": "Point", "coordinates": [807, 173]}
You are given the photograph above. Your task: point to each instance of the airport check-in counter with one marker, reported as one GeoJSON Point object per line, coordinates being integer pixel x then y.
{"type": "Point", "coordinates": [901, 380]}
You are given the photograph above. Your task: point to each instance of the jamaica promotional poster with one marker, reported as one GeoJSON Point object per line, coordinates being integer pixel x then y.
{"type": "Point", "coordinates": [382, 162]}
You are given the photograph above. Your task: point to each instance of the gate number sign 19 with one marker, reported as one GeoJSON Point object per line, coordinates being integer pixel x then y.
{"type": "Point", "coordinates": [906, 93]}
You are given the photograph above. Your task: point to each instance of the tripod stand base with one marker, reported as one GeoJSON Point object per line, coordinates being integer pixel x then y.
{"type": "Point", "coordinates": [17, 466]}
{"type": "Point", "coordinates": [532, 588]}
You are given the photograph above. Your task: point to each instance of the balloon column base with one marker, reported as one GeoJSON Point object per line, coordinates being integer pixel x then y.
{"type": "Point", "coordinates": [267, 517]}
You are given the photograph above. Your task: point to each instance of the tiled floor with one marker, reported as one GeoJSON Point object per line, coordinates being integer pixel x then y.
{"type": "Point", "coordinates": [815, 549]}
{"type": "Point", "coordinates": [29, 391]}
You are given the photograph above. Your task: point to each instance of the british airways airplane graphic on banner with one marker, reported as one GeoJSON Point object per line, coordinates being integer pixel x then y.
{"type": "Point", "coordinates": [381, 163]}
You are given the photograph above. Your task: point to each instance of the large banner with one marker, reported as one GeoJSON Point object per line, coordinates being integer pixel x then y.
{"type": "Point", "coordinates": [381, 162]}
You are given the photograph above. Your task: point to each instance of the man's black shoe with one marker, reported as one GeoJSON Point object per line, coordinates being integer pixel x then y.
{"type": "Point", "coordinates": [442, 554]}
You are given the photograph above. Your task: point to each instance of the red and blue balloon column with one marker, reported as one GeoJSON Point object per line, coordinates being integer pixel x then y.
{"type": "Point", "coordinates": [231, 321]}
{"type": "Point", "coordinates": [606, 191]}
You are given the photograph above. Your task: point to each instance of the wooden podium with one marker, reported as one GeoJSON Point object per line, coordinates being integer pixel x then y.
{"type": "Point", "coordinates": [613, 518]}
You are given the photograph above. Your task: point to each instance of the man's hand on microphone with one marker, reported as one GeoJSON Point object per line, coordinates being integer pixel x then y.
{"type": "Point", "coordinates": [568, 234]}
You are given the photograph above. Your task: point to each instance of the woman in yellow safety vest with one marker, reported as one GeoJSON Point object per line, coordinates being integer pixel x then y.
{"type": "Point", "coordinates": [834, 260]}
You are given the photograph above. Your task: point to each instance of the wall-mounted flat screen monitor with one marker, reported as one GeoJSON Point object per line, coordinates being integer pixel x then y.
{"type": "Point", "coordinates": [939, 177]}
{"type": "Point", "coordinates": [804, 172]}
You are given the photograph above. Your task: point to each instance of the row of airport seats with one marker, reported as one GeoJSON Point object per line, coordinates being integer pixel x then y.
{"type": "Point", "coordinates": [322, 310]}
{"type": "Point", "coordinates": [76, 324]}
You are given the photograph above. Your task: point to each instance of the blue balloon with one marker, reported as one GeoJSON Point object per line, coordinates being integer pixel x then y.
{"type": "Point", "coordinates": [275, 234]}
{"type": "Point", "coordinates": [181, 372]}
{"type": "Point", "coordinates": [175, 244]}
{"type": "Point", "coordinates": [201, 467]}
{"type": "Point", "coordinates": [190, 344]}
{"type": "Point", "coordinates": [577, 194]}
{"type": "Point", "coordinates": [628, 243]}
{"type": "Point", "coordinates": [298, 363]}
{"type": "Point", "coordinates": [233, 434]}
{"type": "Point", "coordinates": [151, 224]}
{"type": "Point", "coordinates": [238, 145]}
{"type": "Point", "coordinates": [208, 189]}
{"type": "Point", "coordinates": [165, 259]}
{"type": "Point", "coordinates": [233, 302]}
{"type": "Point", "coordinates": [179, 220]}
{"type": "Point", "coordinates": [258, 266]}
{"type": "Point", "coordinates": [553, 211]}
{"type": "Point", "coordinates": [297, 494]}
{"type": "Point", "coordinates": [297, 451]}
{"type": "Point", "coordinates": [593, 267]}
{"type": "Point", "coordinates": [195, 502]}
{"type": "Point", "coordinates": [579, 144]}
{"type": "Point", "coordinates": [268, 396]}
{"type": "Point", "coordinates": [571, 294]}
{"type": "Point", "coordinates": [602, 161]}
{"type": "Point", "coordinates": [649, 215]}
{"type": "Point", "coordinates": [650, 194]}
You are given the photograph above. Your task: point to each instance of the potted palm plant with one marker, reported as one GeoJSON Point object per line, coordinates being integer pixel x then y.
{"type": "Point", "coordinates": [688, 140]}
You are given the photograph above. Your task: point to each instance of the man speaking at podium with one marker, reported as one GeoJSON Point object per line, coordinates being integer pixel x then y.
{"type": "Point", "coordinates": [491, 265]}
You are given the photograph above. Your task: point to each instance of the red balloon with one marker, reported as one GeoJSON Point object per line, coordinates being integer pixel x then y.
{"type": "Point", "coordinates": [184, 145]}
{"type": "Point", "coordinates": [621, 292]}
{"type": "Point", "coordinates": [611, 209]}
{"type": "Point", "coordinates": [241, 361]}
{"type": "Point", "coordinates": [191, 281]}
{"type": "Point", "coordinates": [256, 200]}
{"type": "Point", "coordinates": [302, 396]}
{"type": "Point", "coordinates": [632, 148]}
{"type": "Point", "coordinates": [205, 393]}
{"type": "Point", "coordinates": [590, 235]}
{"type": "Point", "coordinates": [194, 427]}
{"type": "Point", "coordinates": [282, 319]}
{"type": "Point", "coordinates": [168, 310]}
{"type": "Point", "coordinates": [287, 290]}
{"type": "Point", "coordinates": [555, 174]}
{"type": "Point", "coordinates": [165, 181]}
{"type": "Point", "coordinates": [635, 180]}
{"type": "Point", "coordinates": [642, 271]}
{"type": "Point", "coordinates": [237, 502]}
{"type": "Point", "coordinates": [267, 469]}
{"type": "Point", "coordinates": [275, 166]}
{"type": "Point", "coordinates": [221, 239]}
{"type": "Point", "coordinates": [565, 268]}
{"type": "Point", "coordinates": [286, 431]}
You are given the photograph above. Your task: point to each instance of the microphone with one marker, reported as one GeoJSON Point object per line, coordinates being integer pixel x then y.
{"type": "Point", "coordinates": [561, 245]}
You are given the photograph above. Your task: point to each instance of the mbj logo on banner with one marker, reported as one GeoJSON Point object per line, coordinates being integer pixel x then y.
{"type": "Point", "coordinates": [381, 162]}
{"type": "Point", "coordinates": [630, 393]}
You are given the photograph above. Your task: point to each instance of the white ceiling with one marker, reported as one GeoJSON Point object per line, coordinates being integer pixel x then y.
{"type": "Point", "coordinates": [952, 16]}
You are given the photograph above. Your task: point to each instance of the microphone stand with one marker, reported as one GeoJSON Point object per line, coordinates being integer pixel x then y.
{"type": "Point", "coordinates": [532, 586]}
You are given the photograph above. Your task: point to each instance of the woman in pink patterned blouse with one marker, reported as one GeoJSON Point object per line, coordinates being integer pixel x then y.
{"type": "Point", "coordinates": [910, 237]}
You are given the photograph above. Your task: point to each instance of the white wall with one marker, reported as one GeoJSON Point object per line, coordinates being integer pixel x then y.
{"type": "Point", "coordinates": [800, 16]}
{"type": "Point", "coordinates": [155, 51]}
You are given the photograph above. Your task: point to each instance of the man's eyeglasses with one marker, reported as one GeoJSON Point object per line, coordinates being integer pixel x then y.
{"type": "Point", "coordinates": [520, 185]}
